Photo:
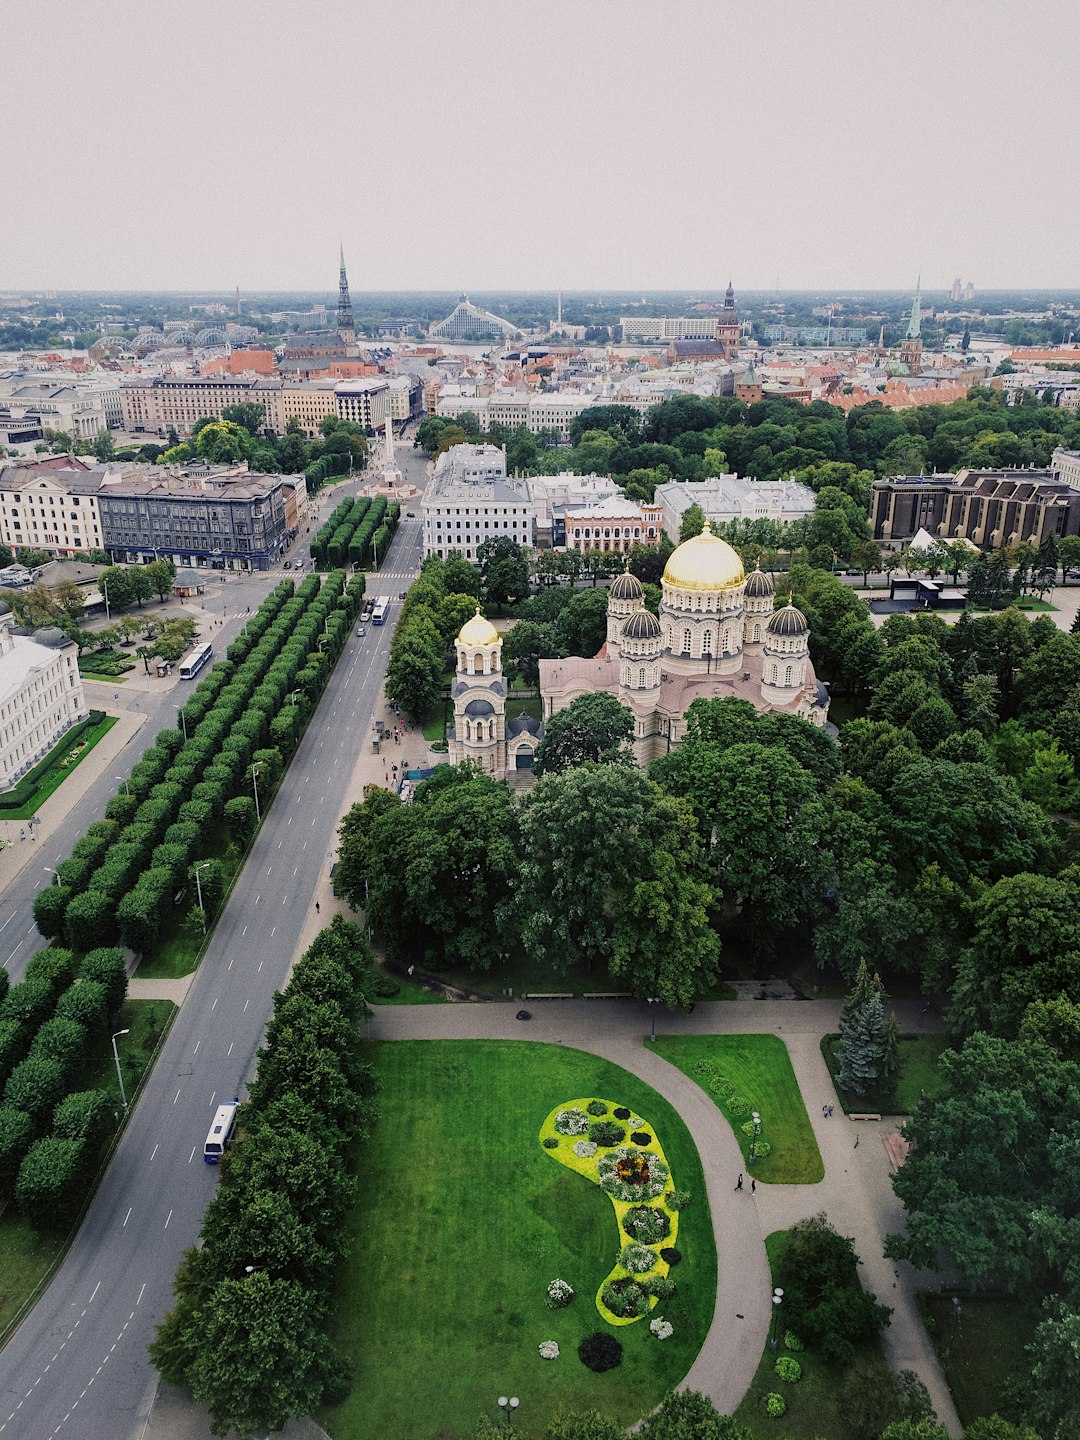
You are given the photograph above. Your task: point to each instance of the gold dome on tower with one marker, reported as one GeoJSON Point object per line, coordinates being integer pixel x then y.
{"type": "Point", "coordinates": [478, 631]}
{"type": "Point", "coordinates": [704, 562]}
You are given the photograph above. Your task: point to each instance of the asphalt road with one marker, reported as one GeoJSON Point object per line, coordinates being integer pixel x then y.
{"type": "Point", "coordinates": [78, 1364]}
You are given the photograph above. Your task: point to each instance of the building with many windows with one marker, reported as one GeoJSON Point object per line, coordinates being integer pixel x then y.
{"type": "Point", "coordinates": [729, 497]}
{"type": "Point", "coordinates": [643, 328]}
{"type": "Point", "coordinates": [611, 527]}
{"type": "Point", "coordinates": [50, 505]}
{"type": "Point", "coordinates": [468, 322]}
{"type": "Point", "coordinates": [41, 698]}
{"type": "Point", "coordinates": [987, 507]}
{"type": "Point", "coordinates": [366, 401]}
{"type": "Point", "coordinates": [470, 500]}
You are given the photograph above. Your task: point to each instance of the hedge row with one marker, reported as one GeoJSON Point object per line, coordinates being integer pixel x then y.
{"type": "Point", "coordinates": [358, 531]}
{"type": "Point", "coordinates": [256, 1294]}
{"type": "Point", "coordinates": [338, 529]}
{"type": "Point", "coordinates": [247, 714]}
{"type": "Point", "coordinates": [23, 789]}
{"type": "Point", "coordinates": [50, 1139]}
{"type": "Point", "coordinates": [323, 469]}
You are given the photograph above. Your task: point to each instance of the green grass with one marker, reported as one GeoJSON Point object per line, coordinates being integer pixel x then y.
{"type": "Point", "coordinates": [57, 773]}
{"type": "Point", "coordinates": [1025, 602]}
{"type": "Point", "coordinates": [462, 1220]}
{"type": "Point", "coordinates": [434, 727]}
{"type": "Point", "coordinates": [980, 1354]}
{"type": "Point", "coordinates": [919, 1075]}
{"type": "Point", "coordinates": [815, 1404]}
{"type": "Point", "coordinates": [759, 1068]}
{"type": "Point", "coordinates": [105, 679]}
{"type": "Point", "coordinates": [26, 1257]}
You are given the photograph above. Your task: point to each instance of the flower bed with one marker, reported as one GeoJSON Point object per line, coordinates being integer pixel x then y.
{"type": "Point", "coordinates": [637, 1181]}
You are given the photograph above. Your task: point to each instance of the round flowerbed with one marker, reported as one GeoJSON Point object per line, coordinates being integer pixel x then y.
{"type": "Point", "coordinates": [647, 1224]}
{"type": "Point", "coordinates": [629, 1174]}
{"type": "Point", "coordinates": [638, 1259]}
{"type": "Point", "coordinates": [571, 1122]}
{"type": "Point", "coordinates": [606, 1133]}
{"type": "Point", "coordinates": [625, 1298]}
{"type": "Point", "coordinates": [600, 1352]}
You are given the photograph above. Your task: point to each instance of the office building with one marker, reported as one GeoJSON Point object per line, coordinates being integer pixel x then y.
{"type": "Point", "coordinates": [41, 698]}
{"type": "Point", "coordinates": [989, 508]}
{"type": "Point", "coordinates": [470, 500]}
{"type": "Point", "coordinates": [729, 497]}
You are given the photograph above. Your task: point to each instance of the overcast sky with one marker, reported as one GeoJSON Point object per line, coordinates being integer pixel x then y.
{"type": "Point", "coordinates": [190, 144]}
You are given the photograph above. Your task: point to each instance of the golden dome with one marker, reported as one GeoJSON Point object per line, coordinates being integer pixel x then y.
{"type": "Point", "coordinates": [704, 562]}
{"type": "Point", "coordinates": [478, 631]}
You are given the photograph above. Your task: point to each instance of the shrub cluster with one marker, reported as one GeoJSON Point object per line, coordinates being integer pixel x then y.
{"type": "Point", "coordinates": [248, 711]}
{"type": "Point", "coordinates": [647, 1224]}
{"type": "Point", "coordinates": [275, 1233]}
{"type": "Point", "coordinates": [606, 1132]}
{"type": "Point", "coordinates": [625, 1297]}
{"type": "Point", "coordinates": [600, 1351]}
{"type": "Point", "coordinates": [51, 1139]}
{"type": "Point", "coordinates": [597, 1107]}
{"type": "Point", "coordinates": [355, 533]}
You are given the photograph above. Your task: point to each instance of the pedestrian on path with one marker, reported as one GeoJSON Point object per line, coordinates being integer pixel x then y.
{"type": "Point", "coordinates": [824, 1112]}
{"type": "Point", "coordinates": [316, 907]}
{"type": "Point", "coordinates": [753, 1187]}
{"type": "Point", "coordinates": [738, 1183]}
{"type": "Point", "coordinates": [856, 1145]}
{"type": "Point", "coordinates": [830, 1112]}
{"type": "Point", "coordinates": [22, 834]}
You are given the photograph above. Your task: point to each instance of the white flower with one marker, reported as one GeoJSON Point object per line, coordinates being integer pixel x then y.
{"type": "Point", "coordinates": [585, 1149]}
{"type": "Point", "coordinates": [662, 1329]}
{"type": "Point", "coordinates": [571, 1122]}
{"type": "Point", "coordinates": [549, 1350]}
{"type": "Point", "coordinates": [559, 1293]}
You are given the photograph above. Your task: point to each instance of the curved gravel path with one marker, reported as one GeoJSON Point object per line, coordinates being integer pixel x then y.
{"type": "Point", "coordinates": [855, 1192]}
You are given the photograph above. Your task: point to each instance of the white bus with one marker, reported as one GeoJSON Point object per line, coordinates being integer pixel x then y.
{"type": "Point", "coordinates": [221, 1132]}
{"type": "Point", "coordinates": [382, 607]}
{"type": "Point", "coordinates": [199, 657]}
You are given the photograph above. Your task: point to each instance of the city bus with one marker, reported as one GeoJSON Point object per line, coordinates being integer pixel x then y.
{"type": "Point", "coordinates": [199, 657]}
{"type": "Point", "coordinates": [382, 606]}
{"type": "Point", "coordinates": [221, 1132]}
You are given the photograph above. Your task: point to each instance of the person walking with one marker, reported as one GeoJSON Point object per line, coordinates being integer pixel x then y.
{"type": "Point", "coordinates": [753, 1187]}
{"type": "Point", "coordinates": [856, 1145]}
{"type": "Point", "coordinates": [738, 1183]}
{"type": "Point", "coordinates": [316, 907]}
{"type": "Point", "coordinates": [22, 834]}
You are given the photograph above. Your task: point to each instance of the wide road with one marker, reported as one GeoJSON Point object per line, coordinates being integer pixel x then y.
{"type": "Point", "coordinates": [78, 1364]}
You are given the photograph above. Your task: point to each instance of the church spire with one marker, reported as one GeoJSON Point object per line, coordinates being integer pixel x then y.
{"type": "Point", "coordinates": [345, 326]}
{"type": "Point", "coordinates": [916, 312]}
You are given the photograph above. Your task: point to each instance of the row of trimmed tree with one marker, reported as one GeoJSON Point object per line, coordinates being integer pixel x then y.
{"type": "Point", "coordinates": [247, 1334]}
{"type": "Point", "coordinates": [357, 532]}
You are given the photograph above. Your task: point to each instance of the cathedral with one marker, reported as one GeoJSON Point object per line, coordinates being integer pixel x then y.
{"type": "Point", "coordinates": [717, 635]}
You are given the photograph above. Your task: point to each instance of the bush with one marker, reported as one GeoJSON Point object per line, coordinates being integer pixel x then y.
{"type": "Point", "coordinates": [596, 1107]}
{"type": "Point", "coordinates": [50, 907]}
{"type": "Point", "coordinates": [551, 1142]}
{"type": "Point", "coordinates": [775, 1405]}
{"type": "Point", "coordinates": [571, 1122]}
{"type": "Point", "coordinates": [28, 1005]}
{"type": "Point", "coordinates": [60, 1039]}
{"type": "Point", "coordinates": [559, 1293]}
{"type": "Point", "coordinates": [792, 1342]}
{"type": "Point", "coordinates": [16, 1134]}
{"type": "Point", "coordinates": [51, 1183]}
{"type": "Point", "coordinates": [35, 1085]}
{"type": "Point", "coordinates": [88, 1115]}
{"type": "Point", "coordinates": [637, 1258]}
{"type": "Point", "coordinates": [789, 1369]}
{"type": "Point", "coordinates": [622, 1113]}
{"type": "Point", "coordinates": [386, 987]}
{"type": "Point", "coordinates": [677, 1199]}
{"type": "Point", "coordinates": [625, 1298]}
{"type": "Point", "coordinates": [606, 1133]}
{"type": "Point", "coordinates": [600, 1352]}
{"type": "Point", "coordinates": [670, 1255]}
{"type": "Point", "coordinates": [106, 968]}
{"type": "Point", "coordinates": [647, 1224]}
{"type": "Point", "coordinates": [662, 1286]}
{"type": "Point", "coordinates": [90, 918]}
{"type": "Point", "coordinates": [641, 1137]}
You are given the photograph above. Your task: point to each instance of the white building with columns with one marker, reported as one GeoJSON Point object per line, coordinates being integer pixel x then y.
{"type": "Point", "coordinates": [41, 698]}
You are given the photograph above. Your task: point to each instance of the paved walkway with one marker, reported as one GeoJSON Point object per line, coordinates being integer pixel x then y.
{"type": "Point", "coordinates": [856, 1193]}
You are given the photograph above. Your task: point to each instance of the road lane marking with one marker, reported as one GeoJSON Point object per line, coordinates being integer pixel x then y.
{"type": "Point", "coordinates": [18, 947]}
{"type": "Point", "coordinates": [168, 1218]}
{"type": "Point", "coordinates": [155, 1149]}
{"type": "Point", "coordinates": [231, 1048]}
{"type": "Point", "coordinates": [214, 1005]}
{"type": "Point", "coordinates": [97, 1287]}
{"type": "Point", "coordinates": [272, 934]}
{"type": "Point", "coordinates": [229, 966]}
{"type": "Point", "coordinates": [8, 921]}
{"type": "Point", "coordinates": [260, 962]}
{"type": "Point", "coordinates": [197, 1044]}
{"type": "Point", "coordinates": [174, 1100]}
{"type": "Point", "coordinates": [127, 1217]}
{"type": "Point", "coordinates": [247, 1003]}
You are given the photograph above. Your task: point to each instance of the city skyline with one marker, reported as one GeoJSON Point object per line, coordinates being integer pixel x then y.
{"type": "Point", "coordinates": [847, 149]}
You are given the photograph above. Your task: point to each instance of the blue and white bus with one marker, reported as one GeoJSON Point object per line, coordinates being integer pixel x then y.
{"type": "Point", "coordinates": [221, 1132]}
{"type": "Point", "coordinates": [382, 607]}
{"type": "Point", "coordinates": [200, 656]}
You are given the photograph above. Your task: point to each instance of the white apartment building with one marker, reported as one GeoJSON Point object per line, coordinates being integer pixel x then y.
{"type": "Point", "coordinates": [156, 405]}
{"type": "Point", "coordinates": [728, 497]}
{"type": "Point", "coordinates": [41, 697]}
{"type": "Point", "coordinates": [470, 500]}
{"type": "Point", "coordinates": [364, 401]}
{"type": "Point", "coordinates": [682, 327]}
{"type": "Point", "coordinates": [50, 509]}
{"type": "Point", "coordinates": [545, 410]}
{"type": "Point", "coordinates": [1065, 466]}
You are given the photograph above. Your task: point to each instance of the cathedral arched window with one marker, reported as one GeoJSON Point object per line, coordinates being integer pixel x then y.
{"type": "Point", "coordinates": [727, 642]}
{"type": "Point", "coordinates": [706, 643]}
{"type": "Point", "coordinates": [641, 679]}
{"type": "Point", "coordinates": [468, 730]}
{"type": "Point", "coordinates": [757, 633]}
{"type": "Point", "coordinates": [669, 637]}
{"type": "Point", "coordinates": [686, 642]}
{"type": "Point", "coordinates": [773, 675]}
{"type": "Point", "coordinates": [787, 676]}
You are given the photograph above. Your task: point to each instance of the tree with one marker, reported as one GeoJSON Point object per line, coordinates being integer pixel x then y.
{"type": "Point", "coordinates": [593, 728]}
{"type": "Point", "coordinates": [116, 581]}
{"type": "Point", "coordinates": [161, 574]}
{"type": "Point", "coordinates": [693, 522]}
{"type": "Point", "coordinates": [247, 414]}
{"type": "Point", "coordinates": [608, 831]}
{"type": "Point", "coordinates": [868, 1045]}
{"type": "Point", "coordinates": [866, 556]}
{"type": "Point", "coordinates": [527, 644]}
{"type": "Point", "coordinates": [86, 1116]}
{"type": "Point", "coordinates": [414, 673]}
{"type": "Point", "coordinates": [34, 1086]}
{"type": "Point", "coordinates": [689, 1415]}
{"type": "Point", "coordinates": [582, 624]}
{"type": "Point", "coordinates": [107, 968]}
{"type": "Point", "coordinates": [102, 446]}
{"type": "Point", "coordinates": [68, 598]}
{"type": "Point", "coordinates": [16, 1137]}
{"type": "Point", "coordinates": [211, 885]}
{"type": "Point", "coordinates": [504, 571]}
{"type": "Point", "coordinates": [824, 1302]}
{"type": "Point", "coordinates": [262, 1356]}
{"type": "Point", "coordinates": [51, 1184]}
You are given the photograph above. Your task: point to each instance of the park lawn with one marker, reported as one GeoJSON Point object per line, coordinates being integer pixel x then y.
{"type": "Point", "coordinates": [919, 1075]}
{"type": "Point", "coordinates": [759, 1068]}
{"type": "Point", "coordinates": [27, 1258]}
{"type": "Point", "coordinates": [434, 727]}
{"type": "Point", "coordinates": [461, 1222]}
{"type": "Point", "coordinates": [814, 1403]}
{"type": "Point", "coordinates": [981, 1354]}
{"type": "Point", "coordinates": [57, 773]}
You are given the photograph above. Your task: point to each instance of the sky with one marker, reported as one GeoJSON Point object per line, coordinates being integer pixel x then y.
{"type": "Point", "coordinates": [574, 144]}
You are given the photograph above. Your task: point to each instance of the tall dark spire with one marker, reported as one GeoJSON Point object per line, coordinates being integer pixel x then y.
{"type": "Point", "coordinates": [346, 328]}
{"type": "Point", "coordinates": [729, 297]}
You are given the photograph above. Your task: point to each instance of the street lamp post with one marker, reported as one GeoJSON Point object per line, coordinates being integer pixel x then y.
{"type": "Point", "coordinates": [756, 1118]}
{"type": "Point", "coordinates": [653, 1000]}
{"type": "Point", "coordinates": [255, 786]}
{"type": "Point", "coordinates": [508, 1406]}
{"type": "Point", "coordinates": [119, 1075]}
{"type": "Point", "coordinates": [121, 781]}
{"type": "Point", "coordinates": [105, 592]}
{"type": "Point", "coordinates": [777, 1301]}
{"type": "Point", "coordinates": [198, 891]}
{"type": "Point", "coordinates": [55, 877]}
